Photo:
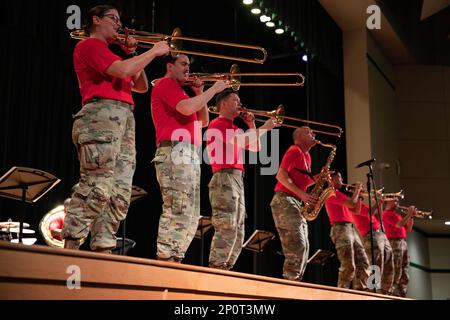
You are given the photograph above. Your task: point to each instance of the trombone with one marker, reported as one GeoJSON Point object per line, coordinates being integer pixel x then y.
{"type": "Point", "coordinates": [419, 214]}
{"type": "Point", "coordinates": [279, 116]}
{"type": "Point", "coordinates": [148, 39]}
{"type": "Point", "coordinates": [234, 77]}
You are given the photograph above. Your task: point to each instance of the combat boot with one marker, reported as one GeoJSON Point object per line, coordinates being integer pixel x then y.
{"type": "Point", "coordinates": [71, 243]}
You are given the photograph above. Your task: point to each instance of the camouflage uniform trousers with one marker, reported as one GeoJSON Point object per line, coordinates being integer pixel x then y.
{"type": "Point", "coordinates": [293, 231]}
{"type": "Point", "coordinates": [226, 194]}
{"type": "Point", "coordinates": [383, 256]}
{"type": "Point", "coordinates": [350, 251]}
{"type": "Point", "coordinates": [104, 135]}
{"type": "Point", "coordinates": [178, 174]}
{"type": "Point", "coordinates": [401, 266]}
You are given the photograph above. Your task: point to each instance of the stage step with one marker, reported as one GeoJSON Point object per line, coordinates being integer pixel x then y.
{"type": "Point", "coordinates": [40, 272]}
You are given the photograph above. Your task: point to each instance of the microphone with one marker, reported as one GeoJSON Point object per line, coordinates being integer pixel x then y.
{"type": "Point", "coordinates": [365, 163]}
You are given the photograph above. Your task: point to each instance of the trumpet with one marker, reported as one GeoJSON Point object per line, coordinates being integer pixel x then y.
{"type": "Point", "coordinates": [148, 39]}
{"type": "Point", "coordinates": [363, 192]}
{"type": "Point", "coordinates": [419, 214]}
{"type": "Point", "coordinates": [279, 116]}
{"type": "Point", "coordinates": [392, 196]}
{"type": "Point", "coordinates": [234, 77]}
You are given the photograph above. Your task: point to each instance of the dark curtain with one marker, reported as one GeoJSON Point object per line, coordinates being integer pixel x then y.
{"type": "Point", "coordinates": [40, 94]}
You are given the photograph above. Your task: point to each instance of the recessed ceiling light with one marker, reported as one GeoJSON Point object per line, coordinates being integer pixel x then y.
{"type": "Point", "coordinates": [264, 18]}
{"type": "Point", "coordinates": [247, 2]}
{"type": "Point", "coordinates": [279, 31]}
{"type": "Point", "coordinates": [270, 24]}
{"type": "Point", "coordinates": [255, 11]}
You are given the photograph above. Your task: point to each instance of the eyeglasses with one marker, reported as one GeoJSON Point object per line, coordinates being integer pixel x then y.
{"type": "Point", "coordinates": [114, 18]}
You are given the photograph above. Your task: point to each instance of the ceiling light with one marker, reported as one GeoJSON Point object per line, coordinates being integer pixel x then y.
{"type": "Point", "coordinates": [279, 31]}
{"type": "Point", "coordinates": [255, 11]}
{"type": "Point", "coordinates": [270, 24]}
{"type": "Point", "coordinates": [247, 2]}
{"type": "Point", "coordinates": [264, 18]}
{"type": "Point", "coordinates": [305, 58]}
{"type": "Point", "coordinates": [447, 223]}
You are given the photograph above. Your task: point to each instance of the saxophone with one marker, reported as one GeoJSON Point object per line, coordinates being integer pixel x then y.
{"type": "Point", "coordinates": [310, 211]}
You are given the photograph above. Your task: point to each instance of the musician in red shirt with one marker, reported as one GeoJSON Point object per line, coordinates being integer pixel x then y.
{"type": "Point", "coordinates": [178, 120]}
{"type": "Point", "coordinates": [382, 250]}
{"type": "Point", "coordinates": [293, 178]}
{"type": "Point", "coordinates": [349, 248]}
{"type": "Point", "coordinates": [396, 227]}
{"type": "Point", "coordinates": [226, 143]}
{"type": "Point", "coordinates": [104, 130]}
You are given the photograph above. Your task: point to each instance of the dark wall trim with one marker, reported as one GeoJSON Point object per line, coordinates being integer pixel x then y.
{"type": "Point", "coordinates": [418, 266]}
{"type": "Point", "coordinates": [380, 71]}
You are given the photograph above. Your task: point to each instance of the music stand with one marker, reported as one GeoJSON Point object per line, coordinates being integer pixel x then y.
{"type": "Point", "coordinates": [137, 194]}
{"type": "Point", "coordinates": [204, 226]}
{"type": "Point", "coordinates": [320, 257]}
{"type": "Point", "coordinates": [26, 185]}
{"type": "Point", "coordinates": [258, 240]}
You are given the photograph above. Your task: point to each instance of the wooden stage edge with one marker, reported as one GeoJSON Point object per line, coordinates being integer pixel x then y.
{"type": "Point", "coordinates": [40, 272]}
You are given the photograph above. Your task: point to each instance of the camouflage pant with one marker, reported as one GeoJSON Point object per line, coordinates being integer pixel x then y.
{"type": "Point", "coordinates": [383, 256]}
{"type": "Point", "coordinates": [178, 174]}
{"type": "Point", "coordinates": [351, 255]}
{"type": "Point", "coordinates": [401, 266]}
{"type": "Point", "coordinates": [104, 134]}
{"type": "Point", "coordinates": [226, 194]}
{"type": "Point", "coordinates": [293, 231]}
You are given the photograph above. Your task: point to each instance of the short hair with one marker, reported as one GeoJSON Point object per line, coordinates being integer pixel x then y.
{"type": "Point", "coordinates": [169, 58]}
{"type": "Point", "coordinates": [296, 131]}
{"type": "Point", "coordinates": [334, 172]}
{"type": "Point", "coordinates": [98, 11]}
{"type": "Point", "coordinates": [224, 95]}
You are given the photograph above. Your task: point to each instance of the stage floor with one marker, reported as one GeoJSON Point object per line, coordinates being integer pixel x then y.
{"type": "Point", "coordinates": [41, 272]}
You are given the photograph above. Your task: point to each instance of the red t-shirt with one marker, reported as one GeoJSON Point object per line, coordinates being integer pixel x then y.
{"type": "Point", "coordinates": [390, 219]}
{"type": "Point", "coordinates": [91, 58]}
{"type": "Point", "coordinates": [293, 161]}
{"type": "Point", "coordinates": [337, 211]}
{"type": "Point", "coordinates": [362, 221]}
{"type": "Point", "coordinates": [169, 123]}
{"type": "Point", "coordinates": [223, 154]}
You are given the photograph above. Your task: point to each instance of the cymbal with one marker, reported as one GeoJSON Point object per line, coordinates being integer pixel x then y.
{"type": "Point", "coordinates": [16, 230]}
{"type": "Point", "coordinates": [13, 224]}
{"type": "Point", "coordinates": [26, 241]}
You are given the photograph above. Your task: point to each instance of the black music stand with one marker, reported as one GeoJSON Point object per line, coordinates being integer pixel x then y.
{"type": "Point", "coordinates": [137, 194]}
{"type": "Point", "coordinates": [204, 226]}
{"type": "Point", "coordinates": [256, 243]}
{"type": "Point", "coordinates": [26, 185]}
{"type": "Point", "coordinates": [320, 257]}
{"type": "Point", "coordinates": [258, 240]}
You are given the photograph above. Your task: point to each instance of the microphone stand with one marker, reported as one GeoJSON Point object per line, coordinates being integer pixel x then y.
{"type": "Point", "coordinates": [370, 183]}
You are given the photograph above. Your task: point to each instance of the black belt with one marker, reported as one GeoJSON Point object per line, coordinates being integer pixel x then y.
{"type": "Point", "coordinates": [111, 101]}
{"type": "Point", "coordinates": [232, 171]}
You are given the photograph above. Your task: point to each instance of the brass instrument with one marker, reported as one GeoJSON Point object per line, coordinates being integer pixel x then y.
{"type": "Point", "coordinates": [419, 214]}
{"type": "Point", "coordinates": [148, 39]}
{"type": "Point", "coordinates": [52, 235]}
{"type": "Point", "coordinates": [278, 114]}
{"type": "Point", "coordinates": [392, 196]}
{"type": "Point", "coordinates": [363, 192]}
{"type": "Point", "coordinates": [310, 211]}
{"type": "Point", "coordinates": [234, 77]}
